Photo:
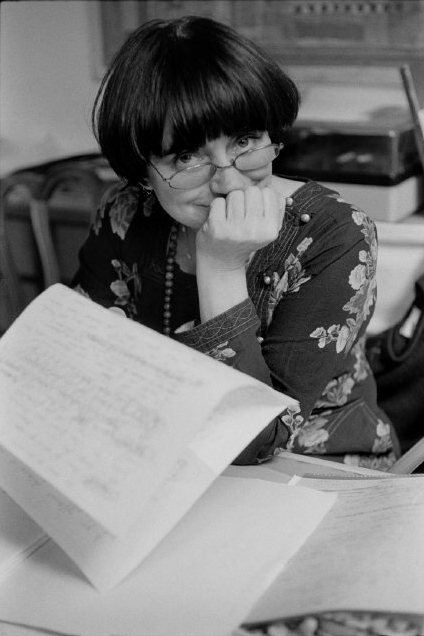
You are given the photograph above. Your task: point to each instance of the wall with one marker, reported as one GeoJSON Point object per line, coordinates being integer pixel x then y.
{"type": "Point", "coordinates": [48, 83]}
{"type": "Point", "coordinates": [47, 86]}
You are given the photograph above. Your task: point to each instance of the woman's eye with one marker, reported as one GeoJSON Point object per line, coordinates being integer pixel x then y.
{"type": "Point", "coordinates": [247, 142]}
{"type": "Point", "coordinates": [244, 142]}
{"type": "Point", "coordinates": [186, 159]}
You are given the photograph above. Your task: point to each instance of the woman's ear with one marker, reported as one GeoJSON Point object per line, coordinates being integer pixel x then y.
{"type": "Point", "coordinates": [146, 186]}
{"type": "Point", "coordinates": [149, 200]}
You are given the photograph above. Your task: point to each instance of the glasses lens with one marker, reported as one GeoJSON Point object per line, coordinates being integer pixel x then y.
{"type": "Point", "coordinates": [259, 158]}
{"type": "Point", "coordinates": [192, 177]}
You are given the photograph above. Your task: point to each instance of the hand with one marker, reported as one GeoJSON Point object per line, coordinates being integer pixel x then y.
{"type": "Point", "coordinates": [238, 225]}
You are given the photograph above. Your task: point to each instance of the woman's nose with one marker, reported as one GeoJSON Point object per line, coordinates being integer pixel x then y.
{"type": "Point", "coordinates": [226, 179]}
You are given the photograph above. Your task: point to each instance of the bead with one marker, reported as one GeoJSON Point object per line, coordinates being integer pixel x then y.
{"type": "Point", "coordinates": [305, 218]}
{"type": "Point", "coordinates": [117, 310]}
{"type": "Point", "coordinates": [308, 626]}
{"type": "Point", "coordinates": [289, 202]}
{"type": "Point", "coordinates": [278, 629]}
{"type": "Point", "coordinates": [169, 280]}
{"type": "Point", "coordinates": [267, 279]}
{"type": "Point", "coordinates": [260, 339]}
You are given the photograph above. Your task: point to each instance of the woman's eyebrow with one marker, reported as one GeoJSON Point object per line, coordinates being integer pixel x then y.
{"type": "Point", "coordinates": [172, 149]}
{"type": "Point", "coordinates": [175, 149]}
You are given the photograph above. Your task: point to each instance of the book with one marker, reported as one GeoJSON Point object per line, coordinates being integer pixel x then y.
{"type": "Point", "coordinates": [110, 431]}
{"type": "Point", "coordinates": [367, 555]}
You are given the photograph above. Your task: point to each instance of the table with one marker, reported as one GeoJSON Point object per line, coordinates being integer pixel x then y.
{"type": "Point", "coordinates": [323, 624]}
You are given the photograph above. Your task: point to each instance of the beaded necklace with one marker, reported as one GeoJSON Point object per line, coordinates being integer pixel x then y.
{"type": "Point", "coordinates": [169, 279]}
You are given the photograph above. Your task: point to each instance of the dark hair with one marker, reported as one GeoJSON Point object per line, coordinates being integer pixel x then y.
{"type": "Point", "coordinates": [201, 77]}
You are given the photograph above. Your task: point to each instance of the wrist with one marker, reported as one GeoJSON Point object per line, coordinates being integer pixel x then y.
{"type": "Point", "coordinates": [219, 289]}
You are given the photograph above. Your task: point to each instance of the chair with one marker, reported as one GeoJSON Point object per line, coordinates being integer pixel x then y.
{"type": "Point", "coordinates": [53, 204]}
{"type": "Point", "coordinates": [12, 300]}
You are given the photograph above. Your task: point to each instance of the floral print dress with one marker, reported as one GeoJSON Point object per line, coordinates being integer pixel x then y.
{"type": "Point", "coordinates": [302, 330]}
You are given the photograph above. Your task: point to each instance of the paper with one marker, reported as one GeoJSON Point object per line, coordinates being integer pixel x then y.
{"type": "Point", "coordinates": [202, 579]}
{"type": "Point", "coordinates": [101, 384]}
{"type": "Point", "coordinates": [368, 553]}
{"type": "Point", "coordinates": [290, 463]}
{"type": "Point", "coordinates": [110, 432]}
{"type": "Point", "coordinates": [19, 535]}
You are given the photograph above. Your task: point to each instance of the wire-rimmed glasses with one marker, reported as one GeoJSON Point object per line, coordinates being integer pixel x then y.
{"type": "Point", "coordinates": [201, 173]}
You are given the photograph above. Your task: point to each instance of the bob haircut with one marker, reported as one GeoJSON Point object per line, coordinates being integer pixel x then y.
{"type": "Point", "coordinates": [197, 76]}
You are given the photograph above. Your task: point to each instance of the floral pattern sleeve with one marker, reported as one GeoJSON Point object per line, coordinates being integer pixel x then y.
{"type": "Point", "coordinates": [104, 275]}
{"type": "Point", "coordinates": [311, 341]}
{"type": "Point", "coordinates": [315, 342]}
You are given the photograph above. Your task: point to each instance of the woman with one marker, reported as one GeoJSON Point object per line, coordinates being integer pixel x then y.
{"type": "Point", "coordinates": [272, 276]}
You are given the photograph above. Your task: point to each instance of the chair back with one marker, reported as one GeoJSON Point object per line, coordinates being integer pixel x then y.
{"type": "Point", "coordinates": [46, 211]}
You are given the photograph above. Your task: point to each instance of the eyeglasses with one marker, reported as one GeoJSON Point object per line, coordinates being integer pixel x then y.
{"type": "Point", "coordinates": [202, 172]}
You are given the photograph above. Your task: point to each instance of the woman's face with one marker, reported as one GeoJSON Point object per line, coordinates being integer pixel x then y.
{"type": "Point", "coordinates": [191, 207]}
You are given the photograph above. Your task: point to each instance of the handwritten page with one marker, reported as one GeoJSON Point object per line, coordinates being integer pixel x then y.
{"type": "Point", "coordinates": [19, 535]}
{"type": "Point", "coordinates": [103, 414]}
{"type": "Point", "coordinates": [202, 578]}
{"type": "Point", "coordinates": [367, 554]}
{"type": "Point", "coordinates": [294, 463]}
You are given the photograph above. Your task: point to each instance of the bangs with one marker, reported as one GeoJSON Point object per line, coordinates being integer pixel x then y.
{"type": "Point", "coordinates": [199, 95]}
{"type": "Point", "coordinates": [200, 111]}
{"type": "Point", "coordinates": [182, 83]}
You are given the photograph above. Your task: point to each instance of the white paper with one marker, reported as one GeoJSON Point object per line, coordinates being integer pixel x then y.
{"type": "Point", "coordinates": [368, 554]}
{"type": "Point", "coordinates": [104, 558]}
{"type": "Point", "coordinates": [110, 432]}
{"type": "Point", "coordinates": [19, 535]}
{"type": "Point", "coordinates": [90, 390]}
{"type": "Point", "coordinates": [202, 579]}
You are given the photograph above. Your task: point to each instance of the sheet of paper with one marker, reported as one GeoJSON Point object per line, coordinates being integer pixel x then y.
{"type": "Point", "coordinates": [202, 579]}
{"type": "Point", "coordinates": [368, 554]}
{"type": "Point", "coordinates": [234, 423]}
{"type": "Point", "coordinates": [48, 436]}
{"type": "Point", "coordinates": [291, 463]}
{"type": "Point", "coordinates": [101, 411]}
{"type": "Point", "coordinates": [19, 535]}
{"type": "Point", "coordinates": [103, 558]}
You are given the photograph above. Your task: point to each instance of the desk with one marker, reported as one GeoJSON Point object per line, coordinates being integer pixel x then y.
{"type": "Point", "coordinates": [324, 624]}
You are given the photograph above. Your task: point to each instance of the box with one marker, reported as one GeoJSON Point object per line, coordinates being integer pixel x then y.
{"type": "Point", "coordinates": [372, 164]}
{"type": "Point", "coordinates": [389, 203]}
{"type": "Point", "coordinates": [381, 151]}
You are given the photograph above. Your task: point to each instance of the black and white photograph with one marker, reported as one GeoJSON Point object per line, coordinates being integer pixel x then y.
{"type": "Point", "coordinates": [212, 318]}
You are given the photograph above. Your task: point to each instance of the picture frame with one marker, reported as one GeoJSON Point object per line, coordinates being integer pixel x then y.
{"type": "Point", "coordinates": [295, 32]}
